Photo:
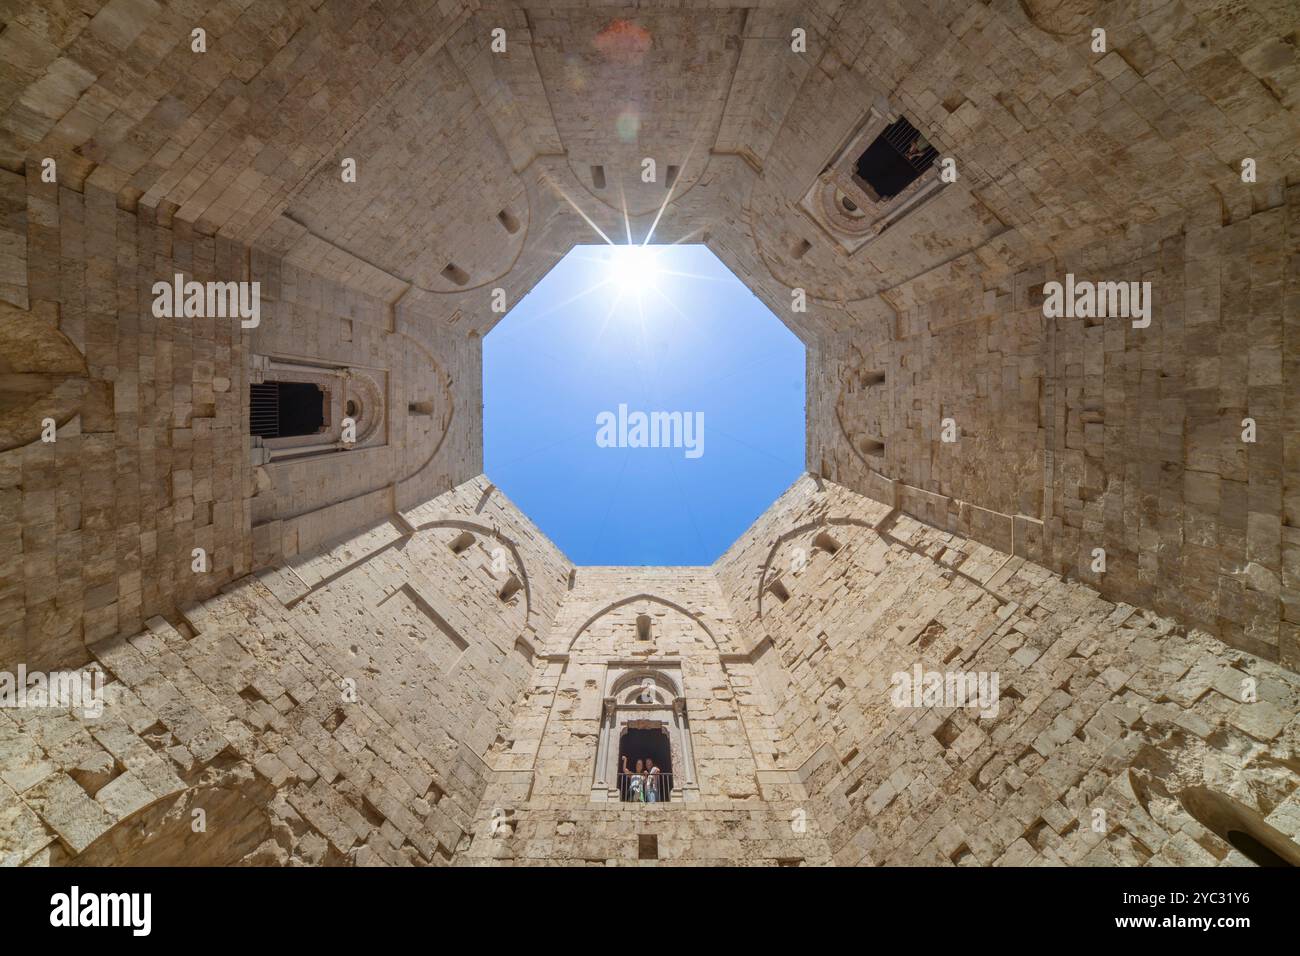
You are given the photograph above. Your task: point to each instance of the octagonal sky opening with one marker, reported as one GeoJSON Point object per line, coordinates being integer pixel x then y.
{"type": "Point", "coordinates": [642, 406]}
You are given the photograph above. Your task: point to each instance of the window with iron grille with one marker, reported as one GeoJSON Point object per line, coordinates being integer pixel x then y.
{"type": "Point", "coordinates": [285, 409]}
{"type": "Point", "coordinates": [895, 159]}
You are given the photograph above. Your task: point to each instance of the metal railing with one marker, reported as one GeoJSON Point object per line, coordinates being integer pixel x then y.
{"type": "Point", "coordinates": [264, 409]}
{"type": "Point", "coordinates": [906, 141]}
{"type": "Point", "coordinates": [645, 787]}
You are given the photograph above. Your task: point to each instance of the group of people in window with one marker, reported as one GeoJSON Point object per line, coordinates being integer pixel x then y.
{"type": "Point", "coordinates": [645, 784]}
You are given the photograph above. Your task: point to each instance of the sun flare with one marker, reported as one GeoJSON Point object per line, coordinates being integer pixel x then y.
{"type": "Point", "coordinates": [632, 268]}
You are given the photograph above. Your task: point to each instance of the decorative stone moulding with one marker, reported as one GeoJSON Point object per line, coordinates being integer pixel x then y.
{"type": "Point", "coordinates": [644, 695]}
{"type": "Point", "coordinates": [349, 392]}
{"type": "Point", "coordinates": [845, 206]}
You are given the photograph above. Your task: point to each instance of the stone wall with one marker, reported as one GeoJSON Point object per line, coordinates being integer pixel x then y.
{"type": "Point", "coordinates": [1100, 706]}
{"type": "Point", "coordinates": [1075, 434]}
{"type": "Point", "coordinates": [477, 650]}
{"type": "Point", "coordinates": [100, 524]}
{"type": "Point", "coordinates": [393, 700]}
{"type": "Point", "coordinates": [541, 806]}
{"type": "Point", "coordinates": [333, 710]}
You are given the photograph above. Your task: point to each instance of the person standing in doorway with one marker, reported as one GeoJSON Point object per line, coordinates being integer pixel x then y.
{"type": "Point", "coordinates": [635, 781]}
{"type": "Point", "coordinates": [652, 779]}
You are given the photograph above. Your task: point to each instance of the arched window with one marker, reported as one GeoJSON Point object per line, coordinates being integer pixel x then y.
{"type": "Point", "coordinates": [644, 720]}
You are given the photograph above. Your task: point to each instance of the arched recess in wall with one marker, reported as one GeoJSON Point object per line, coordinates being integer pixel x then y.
{"type": "Point", "coordinates": [1062, 18]}
{"type": "Point", "coordinates": [42, 375]}
{"type": "Point", "coordinates": [235, 805]}
{"type": "Point", "coordinates": [651, 598]}
{"type": "Point", "coordinates": [602, 184]}
{"type": "Point", "coordinates": [513, 222]}
{"type": "Point", "coordinates": [664, 685]}
{"type": "Point", "coordinates": [443, 426]}
{"type": "Point", "coordinates": [861, 409]}
{"type": "Point", "coordinates": [777, 225]}
{"type": "Point", "coordinates": [489, 533]}
{"type": "Point", "coordinates": [816, 528]}
{"type": "Point", "coordinates": [375, 420]}
{"type": "Point", "coordinates": [1237, 824]}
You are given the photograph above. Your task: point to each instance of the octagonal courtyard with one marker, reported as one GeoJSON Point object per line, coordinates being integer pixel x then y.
{"type": "Point", "coordinates": [325, 328]}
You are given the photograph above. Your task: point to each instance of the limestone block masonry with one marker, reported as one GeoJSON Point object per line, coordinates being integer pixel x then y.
{"type": "Point", "coordinates": [317, 650]}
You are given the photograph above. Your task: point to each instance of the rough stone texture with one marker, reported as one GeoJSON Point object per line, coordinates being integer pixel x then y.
{"type": "Point", "coordinates": [475, 173]}
{"type": "Point", "coordinates": [378, 702]}
{"type": "Point", "coordinates": [1103, 706]}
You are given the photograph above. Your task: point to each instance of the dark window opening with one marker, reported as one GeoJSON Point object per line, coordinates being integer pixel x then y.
{"type": "Point", "coordinates": [643, 627]}
{"type": "Point", "coordinates": [645, 744]}
{"type": "Point", "coordinates": [461, 542]}
{"type": "Point", "coordinates": [419, 408]}
{"type": "Point", "coordinates": [871, 447]}
{"type": "Point", "coordinates": [510, 589]}
{"type": "Point", "coordinates": [671, 179]}
{"type": "Point", "coordinates": [895, 159]}
{"type": "Point", "coordinates": [508, 221]}
{"type": "Point", "coordinates": [802, 248]}
{"type": "Point", "coordinates": [779, 589]}
{"type": "Point", "coordinates": [647, 846]}
{"type": "Point", "coordinates": [826, 542]}
{"type": "Point", "coordinates": [598, 176]}
{"type": "Point", "coordinates": [455, 274]}
{"type": "Point", "coordinates": [285, 409]}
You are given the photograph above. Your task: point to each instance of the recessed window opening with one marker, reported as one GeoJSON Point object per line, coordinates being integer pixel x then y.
{"type": "Point", "coordinates": [895, 159]}
{"type": "Point", "coordinates": [455, 273]}
{"type": "Point", "coordinates": [285, 409]}
{"type": "Point", "coordinates": [461, 542]}
{"type": "Point", "coordinates": [510, 589]}
{"type": "Point", "coordinates": [508, 221]}
{"type": "Point", "coordinates": [598, 176]}
{"type": "Point", "coordinates": [826, 542]}
{"type": "Point", "coordinates": [779, 589]}
{"type": "Point", "coordinates": [420, 408]}
{"type": "Point", "coordinates": [671, 179]}
{"type": "Point", "coordinates": [871, 447]}
{"type": "Point", "coordinates": [651, 748]}
{"type": "Point", "coordinates": [643, 627]}
{"type": "Point", "coordinates": [802, 248]}
{"type": "Point", "coordinates": [350, 408]}
{"type": "Point", "coordinates": [873, 378]}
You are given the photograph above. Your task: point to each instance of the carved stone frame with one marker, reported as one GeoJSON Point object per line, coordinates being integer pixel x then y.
{"type": "Point", "coordinates": [364, 388]}
{"type": "Point", "coordinates": [823, 202]}
{"type": "Point", "coordinates": [627, 706]}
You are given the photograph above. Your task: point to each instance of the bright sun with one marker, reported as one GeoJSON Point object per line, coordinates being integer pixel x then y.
{"type": "Point", "coordinates": [632, 268]}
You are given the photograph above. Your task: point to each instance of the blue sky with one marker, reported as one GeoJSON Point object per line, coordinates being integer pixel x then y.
{"type": "Point", "coordinates": [658, 329]}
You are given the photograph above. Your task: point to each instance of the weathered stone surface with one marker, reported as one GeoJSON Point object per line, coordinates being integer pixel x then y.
{"type": "Point", "coordinates": [342, 680]}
